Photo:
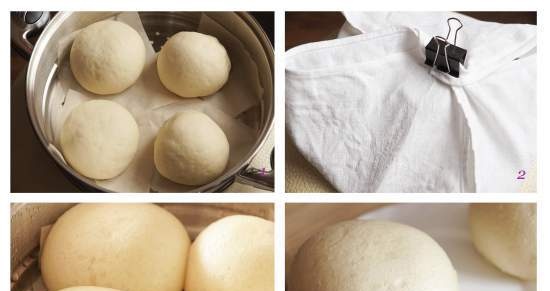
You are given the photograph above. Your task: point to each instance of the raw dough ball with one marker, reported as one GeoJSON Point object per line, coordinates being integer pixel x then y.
{"type": "Point", "coordinates": [506, 235]}
{"type": "Point", "coordinates": [107, 57]}
{"type": "Point", "coordinates": [192, 64]}
{"type": "Point", "coordinates": [131, 247]}
{"type": "Point", "coordinates": [99, 139]}
{"type": "Point", "coordinates": [372, 255]}
{"type": "Point", "coordinates": [191, 149]}
{"type": "Point", "coordinates": [233, 253]}
{"type": "Point", "coordinates": [88, 288]}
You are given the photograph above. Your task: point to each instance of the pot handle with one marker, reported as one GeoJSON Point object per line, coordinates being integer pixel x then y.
{"type": "Point", "coordinates": [25, 24]}
{"type": "Point", "coordinates": [259, 178]}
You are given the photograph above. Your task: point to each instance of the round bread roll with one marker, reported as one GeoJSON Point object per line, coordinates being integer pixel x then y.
{"type": "Point", "coordinates": [372, 255]}
{"type": "Point", "coordinates": [233, 253]}
{"type": "Point", "coordinates": [88, 288]}
{"type": "Point", "coordinates": [506, 235]}
{"type": "Point", "coordinates": [130, 247]}
{"type": "Point", "coordinates": [99, 139]}
{"type": "Point", "coordinates": [192, 64]}
{"type": "Point", "coordinates": [191, 149]}
{"type": "Point", "coordinates": [107, 57]}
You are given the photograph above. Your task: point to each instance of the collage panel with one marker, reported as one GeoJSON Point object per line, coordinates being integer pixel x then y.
{"type": "Point", "coordinates": [142, 247]}
{"type": "Point", "coordinates": [142, 101]}
{"type": "Point", "coordinates": [434, 246]}
{"type": "Point", "coordinates": [411, 102]}
{"type": "Point", "coordinates": [387, 124]}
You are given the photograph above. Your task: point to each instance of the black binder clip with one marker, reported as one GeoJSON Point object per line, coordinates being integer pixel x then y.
{"type": "Point", "coordinates": [444, 56]}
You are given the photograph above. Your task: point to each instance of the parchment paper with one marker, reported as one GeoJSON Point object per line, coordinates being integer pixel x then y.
{"type": "Point", "coordinates": [448, 225]}
{"type": "Point", "coordinates": [151, 104]}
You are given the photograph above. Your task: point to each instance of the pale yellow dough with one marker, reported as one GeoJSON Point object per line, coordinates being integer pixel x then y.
{"type": "Point", "coordinates": [506, 235]}
{"type": "Point", "coordinates": [233, 253]}
{"type": "Point", "coordinates": [88, 288]}
{"type": "Point", "coordinates": [130, 247]}
{"type": "Point", "coordinates": [192, 64]}
{"type": "Point", "coordinates": [99, 139]}
{"type": "Point", "coordinates": [107, 57]}
{"type": "Point", "coordinates": [191, 149]}
{"type": "Point", "coordinates": [371, 256]}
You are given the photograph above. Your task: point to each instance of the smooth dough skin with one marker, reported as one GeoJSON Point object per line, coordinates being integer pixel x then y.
{"type": "Point", "coordinates": [191, 149]}
{"type": "Point", "coordinates": [99, 139]}
{"type": "Point", "coordinates": [107, 57]}
{"type": "Point", "coordinates": [88, 288]}
{"type": "Point", "coordinates": [371, 256]}
{"type": "Point", "coordinates": [506, 235]}
{"type": "Point", "coordinates": [192, 64]}
{"type": "Point", "coordinates": [233, 253]}
{"type": "Point", "coordinates": [130, 247]}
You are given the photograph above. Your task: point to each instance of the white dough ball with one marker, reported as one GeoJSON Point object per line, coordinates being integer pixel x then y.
{"type": "Point", "coordinates": [107, 57]}
{"type": "Point", "coordinates": [233, 253]}
{"type": "Point", "coordinates": [88, 288]}
{"type": "Point", "coordinates": [372, 255]}
{"type": "Point", "coordinates": [130, 247]}
{"type": "Point", "coordinates": [191, 149]}
{"type": "Point", "coordinates": [99, 139]}
{"type": "Point", "coordinates": [192, 64]}
{"type": "Point", "coordinates": [506, 235]}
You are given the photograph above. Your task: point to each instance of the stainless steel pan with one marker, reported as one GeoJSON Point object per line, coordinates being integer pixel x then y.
{"type": "Point", "coordinates": [43, 66]}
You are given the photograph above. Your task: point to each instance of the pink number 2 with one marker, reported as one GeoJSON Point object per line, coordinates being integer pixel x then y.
{"type": "Point", "coordinates": [521, 175]}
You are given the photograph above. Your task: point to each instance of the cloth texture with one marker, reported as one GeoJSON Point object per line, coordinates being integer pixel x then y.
{"type": "Point", "coordinates": [300, 175]}
{"type": "Point", "coordinates": [370, 116]}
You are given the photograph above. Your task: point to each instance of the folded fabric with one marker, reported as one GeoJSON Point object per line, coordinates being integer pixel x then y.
{"type": "Point", "coordinates": [371, 117]}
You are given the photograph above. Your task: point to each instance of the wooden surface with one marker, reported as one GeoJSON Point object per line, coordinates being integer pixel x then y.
{"type": "Point", "coordinates": [525, 17]}
{"type": "Point", "coordinates": [18, 64]}
{"type": "Point", "coordinates": [305, 27]}
{"type": "Point", "coordinates": [304, 220]}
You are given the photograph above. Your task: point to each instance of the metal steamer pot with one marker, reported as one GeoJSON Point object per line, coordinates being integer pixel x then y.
{"type": "Point", "coordinates": [42, 72]}
{"type": "Point", "coordinates": [27, 221]}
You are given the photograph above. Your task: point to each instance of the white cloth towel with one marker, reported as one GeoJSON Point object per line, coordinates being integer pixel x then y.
{"type": "Point", "coordinates": [372, 117]}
